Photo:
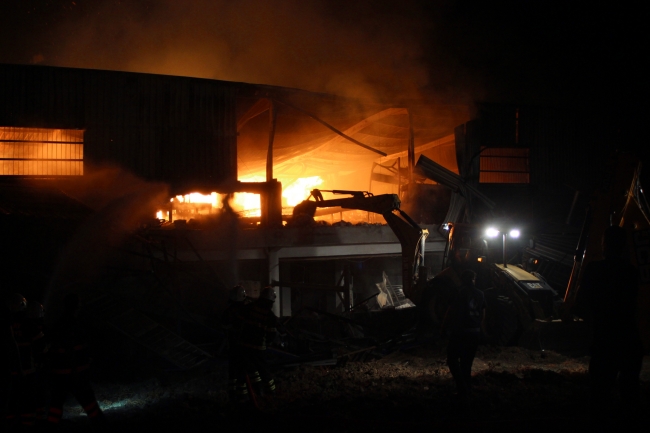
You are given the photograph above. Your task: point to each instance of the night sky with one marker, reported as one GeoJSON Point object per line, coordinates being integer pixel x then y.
{"type": "Point", "coordinates": [569, 53]}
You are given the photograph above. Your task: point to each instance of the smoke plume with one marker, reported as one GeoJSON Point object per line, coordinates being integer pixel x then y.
{"type": "Point", "coordinates": [360, 48]}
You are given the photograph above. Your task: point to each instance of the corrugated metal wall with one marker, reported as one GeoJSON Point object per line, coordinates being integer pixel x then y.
{"type": "Point", "coordinates": [569, 148]}
{"type": "Point", "coordinates": [173, 129]}
{"type": "Point", "coordinates": [505, 165]}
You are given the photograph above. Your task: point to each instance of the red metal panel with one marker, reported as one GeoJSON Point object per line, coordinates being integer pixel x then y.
{"type": "Point", "coordinates": [505, 165]}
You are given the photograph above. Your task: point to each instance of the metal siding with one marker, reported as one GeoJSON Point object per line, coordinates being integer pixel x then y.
{"type": "Point", "coordinates": [498, 125]}
{"type": "Point", "coordinates": [567, 150]}
{"type": "Point", "coordinates": [174, 129]}
{"type": "Point", "coordinates": [505, 165]}
{"type": "Point", "coordinates": [567, 146]}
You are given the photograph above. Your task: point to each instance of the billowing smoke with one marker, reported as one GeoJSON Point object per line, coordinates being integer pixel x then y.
{"type": "Point", "coordinates": [121, 202]}
{"type": "Point", "coordinates": [360, 48]}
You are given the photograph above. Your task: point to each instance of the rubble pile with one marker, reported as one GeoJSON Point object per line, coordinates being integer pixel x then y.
{"type": "Point", "coordinates": [405, 387]}
{"type": "Point", "coordinates": [351, 376]}
{"type": "Point", "coordinates": [509, 382]}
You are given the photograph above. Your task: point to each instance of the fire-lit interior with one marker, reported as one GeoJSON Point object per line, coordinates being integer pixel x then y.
{"type": "Point", "coordinates": [41, 151]}
{"type": "Point", "coordinates": [247, 205]}
{"type": "Point", "coordinates": [306, 156]}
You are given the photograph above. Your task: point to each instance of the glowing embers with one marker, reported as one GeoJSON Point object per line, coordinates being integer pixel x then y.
{"type": "Point", "coordinates": [41, 152]}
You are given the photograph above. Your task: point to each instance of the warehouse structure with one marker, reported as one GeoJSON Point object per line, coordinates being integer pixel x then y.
{"type": "Point", "coordinates": [165, 137]}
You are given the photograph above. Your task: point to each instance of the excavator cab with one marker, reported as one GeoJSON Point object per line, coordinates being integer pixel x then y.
{"type": "Point", "coordinates": [515, 297]}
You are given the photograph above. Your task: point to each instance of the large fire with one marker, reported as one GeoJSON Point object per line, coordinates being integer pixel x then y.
{"type": "Point", "coordinates": [299, 190]}
{"type": "Point", "coordinates": [246, 204]}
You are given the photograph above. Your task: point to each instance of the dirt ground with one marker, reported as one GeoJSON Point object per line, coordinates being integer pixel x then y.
{"type": "Point", "coordinates": [516, 389]}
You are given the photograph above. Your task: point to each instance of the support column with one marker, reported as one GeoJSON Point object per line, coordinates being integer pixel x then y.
{"type": "Point", "coordinates": [283, 294]}
{"type": "Point", "coordinates": [347, 281]}
{"type": "Point", "coordinates": [269, 154]}
{"type": "Point", "coordinates": [271, 202]}
{"type": "Point", "coordinates": [411, 150]}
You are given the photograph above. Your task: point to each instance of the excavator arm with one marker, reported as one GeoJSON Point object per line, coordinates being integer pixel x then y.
{"type": "Point", "coordinates": [408, 232]}
{"type": "Point", "coordinates": [620, 203]}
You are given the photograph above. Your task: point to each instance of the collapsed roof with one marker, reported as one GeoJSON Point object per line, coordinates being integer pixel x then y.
{"type": "Point", "coordinates": [339, 138]}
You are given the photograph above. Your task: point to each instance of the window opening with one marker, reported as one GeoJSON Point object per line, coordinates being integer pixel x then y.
{"type": "Point", "coordinates": [41, 152]}
{"type": "Point", "coordinates": [505, 165]}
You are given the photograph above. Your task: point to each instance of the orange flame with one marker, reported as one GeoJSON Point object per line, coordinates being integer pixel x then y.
{"type": "Point", "coordinates": [247, 204]}
{"type": "Point", "coordinates": [300, 189]}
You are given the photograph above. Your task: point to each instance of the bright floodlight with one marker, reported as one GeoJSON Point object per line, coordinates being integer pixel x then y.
{"type": "Point", "coordinates": [492, 232]}
{"type": "Point", "coordinates": [514, 233]}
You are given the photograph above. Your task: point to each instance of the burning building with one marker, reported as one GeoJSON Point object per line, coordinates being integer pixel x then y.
{"type": "Point", "coordinates": [162, 192]}
{"type": "Point", "coordinates": [212, 170]}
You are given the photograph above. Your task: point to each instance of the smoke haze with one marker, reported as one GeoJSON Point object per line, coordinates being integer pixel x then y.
{"type": "Point", "coordinates": [360, 48]}
{"type": "Point", "coordinates": [456, 50]}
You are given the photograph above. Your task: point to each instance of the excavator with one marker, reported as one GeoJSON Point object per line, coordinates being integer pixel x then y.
{"type": "Point", "coordinates": [410, 235]}
{"type": "Point", "coordinates": [620, 201]}
{"type": "Point", "coordinates": [515, 299]}
{"type": "Point", "coordinates": [515, 296]}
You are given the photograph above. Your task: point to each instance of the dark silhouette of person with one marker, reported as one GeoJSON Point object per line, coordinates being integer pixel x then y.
{"type": "Point", "coordinates": [11, 366]}
{"type": "Point", "coordinates": [23, 401]}
{"type": "Point", "coordinates": [607, 298]}
{"type": "Point", "coordinates": [463, 324]}
{"type": "Point", "coordinates": [36, 328]}
{"type": "Point", "coordinates": [69, 366]}
{"type": "Point", "coordinates": [258, 326]}
{"type": "Point", "coordinates": [231, 323]}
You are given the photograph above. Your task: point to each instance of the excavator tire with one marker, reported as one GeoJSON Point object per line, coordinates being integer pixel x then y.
{"type": "Point", "coordinates": [502, 321]}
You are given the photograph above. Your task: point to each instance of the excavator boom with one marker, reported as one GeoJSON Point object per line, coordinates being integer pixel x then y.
{"type": "Point", "coordinates": [410, 235]}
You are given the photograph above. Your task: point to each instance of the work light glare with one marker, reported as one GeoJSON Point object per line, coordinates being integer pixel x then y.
{"type": "Point", "coordinates": [514, 233]}
{"type": "Point", "coordinates": [492, 232]}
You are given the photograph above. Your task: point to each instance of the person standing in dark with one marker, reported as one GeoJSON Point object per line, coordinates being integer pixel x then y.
{"type": "Point", "coordinates": [463, 323]}
{"type": "Point", "coordinates": [231, 325]}
{"type": "Point", "coordinates": [35, 324]}
{"type": "Point", "coordinates": [607, 298]}
{"type": "Point", "coordinates": [10, 364]}
{"type": "Point", "coordinates": [23, 400]}
{"type": "Point", "coordinates": [258, 325]}
{"type": "Point", "coordinates": [70, 364]}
